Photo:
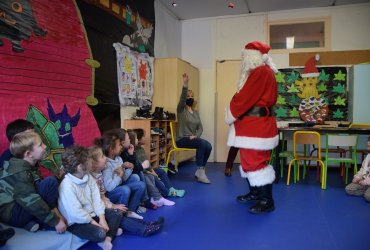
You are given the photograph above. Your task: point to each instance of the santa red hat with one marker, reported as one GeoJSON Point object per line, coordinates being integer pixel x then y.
{"type": "Point", "coordinates": [263, 48]}
{"type": "Point", "coordinates": [259, 51]}
{"type": "Point", "coordinates": [310, 69]}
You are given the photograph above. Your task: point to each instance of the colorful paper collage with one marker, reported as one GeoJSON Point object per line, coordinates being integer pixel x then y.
{"type": "Point", "coordinates": [312, 99]}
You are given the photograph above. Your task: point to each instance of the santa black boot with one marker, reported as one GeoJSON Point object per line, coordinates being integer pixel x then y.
{"type": "Point", "coordinates": [266, 202]}
{"type": "Point", "coordinates": [251, 196]}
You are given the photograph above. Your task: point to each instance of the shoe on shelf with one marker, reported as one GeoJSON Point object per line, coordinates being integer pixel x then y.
{"type": "Point", "coordinates": [32, 226]}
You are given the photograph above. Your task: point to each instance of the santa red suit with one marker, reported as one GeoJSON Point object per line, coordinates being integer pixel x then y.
{"type": "Point", "coordinates": [252, 127]}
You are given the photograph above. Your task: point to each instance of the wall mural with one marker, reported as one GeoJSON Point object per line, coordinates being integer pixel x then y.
{"type": "Point", "coordinates": [45, 57]}
{"type": "Point", "coordinates": [312, 94]}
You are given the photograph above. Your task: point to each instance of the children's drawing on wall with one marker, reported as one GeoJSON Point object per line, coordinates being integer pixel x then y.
{"type": "Point", "coordinates": [135, 77]}
{"type": "Point", "coordinates": [312, 94]}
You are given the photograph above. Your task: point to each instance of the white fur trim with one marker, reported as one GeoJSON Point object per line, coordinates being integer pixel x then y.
{"type": "Point", "coordinates": [255, 142]}
{"type": "Point", "coordinates": [310, 74]}
{"type": "Point", "coordinates": [229, 118]}
{"type": "Point", "coordinates": [261, 177]}
{"type": "Point", "coordinates": [242, 173]}
{"type": "Point", "coordinates": [231, 136]}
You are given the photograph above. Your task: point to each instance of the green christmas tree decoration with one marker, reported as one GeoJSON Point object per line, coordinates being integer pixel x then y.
{"type": "Point", "coordinates": [280, 100]}
{"type": "Point", "coordinates": [294, 113]}
{"type": "Point", "coordinates": [322, 88]}
{"type": "Point", "coordinates": [292, 77]}
{"type": "Point", "coordinates": [294, 100]}
{"type": "Point", "coordinates": [339, 89]}
{"type": "Point", "coordinates": [340, 76]}
{"type": "Point", "coordinates": [323, 76]}
{"type": "Point", "coordinates": [292, 89]}
{"type": "Point", "coordinates": [339, 101]}
{"type": "Point", "coordinates": [338, 114]}
{"type": "Point", "coordinates": [280, 77]}
{"type": "Point", "coordinates": [281, 88]}
{"type": "Point", "coordinates": [281, 112]}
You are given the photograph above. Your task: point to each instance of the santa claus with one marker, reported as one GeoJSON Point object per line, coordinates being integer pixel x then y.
{"type": "Point", "coordinates": [252, 124]}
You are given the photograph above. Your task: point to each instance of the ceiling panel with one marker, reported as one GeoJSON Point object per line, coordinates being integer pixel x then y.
{"type": "Point", "coordinates": [190, 9]}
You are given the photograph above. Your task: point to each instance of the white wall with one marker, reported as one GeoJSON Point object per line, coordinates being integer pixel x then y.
{"type": "Point", "coordinates": [206, 40]}
{"type": "Point", "coordinates": [167, 42]}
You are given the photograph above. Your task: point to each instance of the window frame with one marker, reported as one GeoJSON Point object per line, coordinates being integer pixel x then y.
{"type": "Point", "coordinates": [327, 33]}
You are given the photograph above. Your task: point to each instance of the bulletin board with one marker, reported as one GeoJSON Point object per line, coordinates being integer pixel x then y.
{"type": "Point", "coordinates": [312, 99]}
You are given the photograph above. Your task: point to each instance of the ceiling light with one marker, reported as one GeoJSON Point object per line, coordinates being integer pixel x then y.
{"type": "Point", "coordinates": [174, 4]}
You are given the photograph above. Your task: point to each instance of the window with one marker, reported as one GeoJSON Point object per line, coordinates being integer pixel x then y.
{"type": "Point", "coordinates": [299, 35]}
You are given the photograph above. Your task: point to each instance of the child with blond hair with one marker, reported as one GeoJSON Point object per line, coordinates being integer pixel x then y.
{"type": "Point", "coordinates": [80, 202]}
{"type": "Point", "coordinates": [26, 200]}
{"type": "Point", "coordinates": [131, 225]}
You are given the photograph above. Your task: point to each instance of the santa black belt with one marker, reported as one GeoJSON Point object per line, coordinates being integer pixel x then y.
{"type": "Point", "coordinates": [258, 112]}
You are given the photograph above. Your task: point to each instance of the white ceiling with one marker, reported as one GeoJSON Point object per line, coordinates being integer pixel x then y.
{"type": "Point", "coordinates": [190, 9]}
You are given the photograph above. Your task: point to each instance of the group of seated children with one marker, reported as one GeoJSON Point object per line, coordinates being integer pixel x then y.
{"type": "Point", "coordinates": [102, 191]}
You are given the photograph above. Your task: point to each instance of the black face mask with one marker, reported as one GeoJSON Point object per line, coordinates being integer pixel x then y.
{"type": "Point", "coordinates": [190, 102]}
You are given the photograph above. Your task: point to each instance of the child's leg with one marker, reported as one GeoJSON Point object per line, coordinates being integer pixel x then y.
{"type": "Point", "coordinates": [120, 195]}
{"type": "Point", "coordinates": [356, 189]}
{"type": "Point", "coordinates": [140, 227]}
{"type": "Point", "coordinates": [151, 188]}
{"type": "Point", "coordinates": [367, 194]}
{"type": "Point", "coordinates": [145, 195]}
{"type": "Point", "coordinates": [113, 218]}
{"type": "Point", "coordinates": [161, 186]}
{"type": "Point", "coordinates": [88, 231]}
{"type": "Point", "coordinates": [137, 191]}
{"type": "Point", "coordinates": [48, 190]}
{"type": "Point", "coordinates": [163, 177]}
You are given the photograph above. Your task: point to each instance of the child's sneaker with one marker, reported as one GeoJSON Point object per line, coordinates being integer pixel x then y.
{"type": "Point", "coordinates": [153, 228]}
{"type": "Point", "coordinates": [176, 192]}
{"type": "Point", "coordinates": [119, 232]}
{"type": "Point", "coordinates": [157, 203]}
{"type": "Point", "coordinates": [162, 202]}
{"type": "Point", "coordinates": [134, 215]}
{"type": "Point", "coordinates": [160, 220]}
{"type": "Point", "coordinates": [141, 210]}
{"type": "Point", "coordinates": [32, 226]}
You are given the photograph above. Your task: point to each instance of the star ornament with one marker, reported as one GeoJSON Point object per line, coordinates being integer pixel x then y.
{"type": "Point", "coordinates": [292, 77]}
{"type": "Point", "coordinates": [339, 101]}
{"type": "Point", "coordinates": [338, 114]}
{"type": "Point", "coordinates": [280, 77]}
{"type": "Point", "coordinates": [340, 76]}
{"type": "Point", "coordinates": [323, 76]}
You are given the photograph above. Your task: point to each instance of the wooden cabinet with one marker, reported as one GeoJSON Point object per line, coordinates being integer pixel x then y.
{"type": "Point", "coordinates": [157, 138]}
{"type": "Point", "coordinates": [168, 82]}
{"type": "Point", "coordinates": [168, 86]}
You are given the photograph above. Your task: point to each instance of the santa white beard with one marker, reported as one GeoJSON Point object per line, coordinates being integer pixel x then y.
{"type": "Point", "coordinates": [251, 59]}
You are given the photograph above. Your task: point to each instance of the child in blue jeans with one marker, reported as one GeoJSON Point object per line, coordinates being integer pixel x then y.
{"type": "Point", "coordinates": [120, 188]}
{"type": "Point", "coordinates": [132, 225]}
{"type": "Point", "coordinates": [26, 200]}
{"type": "Point", "coordinates": [80, 202]}
{"type": "Point", "coordinates": [162, 181]}
{"type": "Point", "coordinates": [141, 168]}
